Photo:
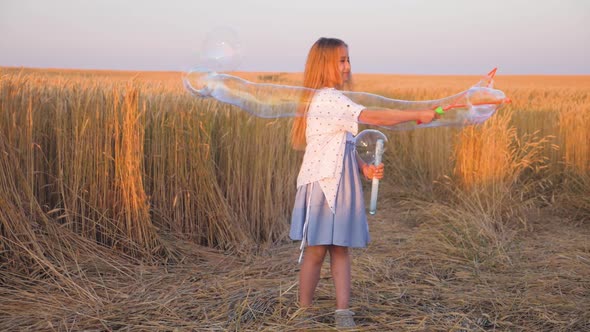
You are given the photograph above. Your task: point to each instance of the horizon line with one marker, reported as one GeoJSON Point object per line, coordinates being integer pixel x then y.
{"type": "Point", "coordinates": [267, 71]}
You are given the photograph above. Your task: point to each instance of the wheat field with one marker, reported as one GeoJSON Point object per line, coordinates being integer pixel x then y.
{"type": "Point", "coordinates": [127, 204]}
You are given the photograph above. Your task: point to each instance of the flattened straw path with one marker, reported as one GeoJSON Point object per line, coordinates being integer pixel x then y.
{"type": "Point", "coordinates": [406, 280]}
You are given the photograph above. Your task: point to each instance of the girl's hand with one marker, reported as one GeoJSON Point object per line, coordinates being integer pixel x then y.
{"type": "Point", "coordinates": [427, 116]}
{"type": "Point", "coordinates": [372, 171]}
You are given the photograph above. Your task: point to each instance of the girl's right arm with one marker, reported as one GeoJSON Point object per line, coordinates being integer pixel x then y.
{"type": "Point", "coordinates": [387, 117]}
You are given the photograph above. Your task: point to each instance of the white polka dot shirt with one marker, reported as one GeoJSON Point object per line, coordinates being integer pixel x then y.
{"type": "Point", "coordinates": [331, 121]}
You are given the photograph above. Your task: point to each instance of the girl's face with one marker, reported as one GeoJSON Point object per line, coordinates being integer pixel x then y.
{"type": "Point", "coordinates": [344, 63]}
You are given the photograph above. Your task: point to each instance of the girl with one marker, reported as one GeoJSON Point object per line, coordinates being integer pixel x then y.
{"type": "Point", "coordinates": [329, 212]}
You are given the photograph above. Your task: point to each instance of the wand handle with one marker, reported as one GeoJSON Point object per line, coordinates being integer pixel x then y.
{"type": "Point", "coordinates": [375, 187]}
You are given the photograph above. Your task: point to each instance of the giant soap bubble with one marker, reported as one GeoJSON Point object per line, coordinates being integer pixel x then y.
{"type": "Point", "coordinates": [472, 106]}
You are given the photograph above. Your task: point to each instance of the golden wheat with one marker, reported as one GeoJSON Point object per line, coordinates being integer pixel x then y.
{"type": "Point", "coordinates": [113, 160]}
{"type": "Point", "coordinates": [98, 166]}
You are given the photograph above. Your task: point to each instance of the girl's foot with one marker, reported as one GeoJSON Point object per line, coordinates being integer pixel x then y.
{"type": "Point", "coordinates": [343, 319]}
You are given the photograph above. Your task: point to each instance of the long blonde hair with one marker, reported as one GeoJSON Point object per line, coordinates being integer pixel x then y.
{"type": "Point", "coordinates": [321, 71]}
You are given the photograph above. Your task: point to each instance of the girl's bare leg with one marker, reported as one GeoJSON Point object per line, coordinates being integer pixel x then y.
{"type": "Point", "coordinates": [340, 265]}
{"type": "Point", "coordinates": [309, 275]}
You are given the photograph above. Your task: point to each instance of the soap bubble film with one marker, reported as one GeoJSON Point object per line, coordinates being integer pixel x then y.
{"type": "Point", "coordinates": [366, 142]}
{"type": "Point", "coordinates": [472, 106]}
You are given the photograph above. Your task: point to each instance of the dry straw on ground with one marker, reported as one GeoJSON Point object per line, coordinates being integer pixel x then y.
{"type": "Point", "coordinates": [125, 204]}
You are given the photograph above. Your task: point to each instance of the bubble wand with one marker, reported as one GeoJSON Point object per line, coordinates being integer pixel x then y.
{"type": "Point", "coordinates": [375, 186]}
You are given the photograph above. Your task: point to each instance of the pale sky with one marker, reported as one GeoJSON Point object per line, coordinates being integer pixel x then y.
{"type": "Point", "coordinates": [384, 36]}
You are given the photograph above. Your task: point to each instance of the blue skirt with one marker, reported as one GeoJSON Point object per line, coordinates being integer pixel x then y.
{"type": "Point", "coordinates": [346, 227]}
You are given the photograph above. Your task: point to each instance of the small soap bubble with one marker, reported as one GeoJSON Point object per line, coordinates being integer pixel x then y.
{"type": "Point", "coordinates": [366, 143]}
{"type": "Point", "coordinates": [221, 51]}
